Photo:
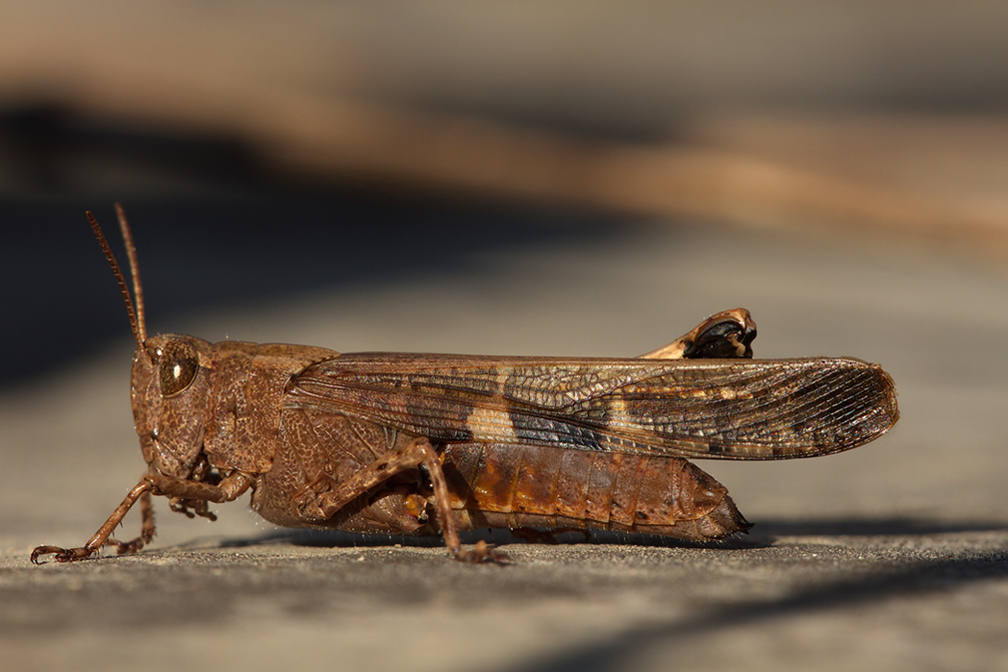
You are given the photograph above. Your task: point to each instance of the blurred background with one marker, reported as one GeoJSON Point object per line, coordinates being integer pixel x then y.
{"type": "Point", "coordinates": [342, 142]}
{"type": "Point", "coordinates": [569, 178]}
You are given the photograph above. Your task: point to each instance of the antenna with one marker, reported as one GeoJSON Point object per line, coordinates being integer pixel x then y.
{"type": "Point", "coordinates": [134, 270]}
{"type": "Point", "coordinates": [136, 315]}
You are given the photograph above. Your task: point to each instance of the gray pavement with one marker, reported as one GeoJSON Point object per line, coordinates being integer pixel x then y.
{"type": "Point", "coordinates": [893, 556]}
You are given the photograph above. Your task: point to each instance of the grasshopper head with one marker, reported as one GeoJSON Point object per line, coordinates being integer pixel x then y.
{"type": "Point", "coordinates": [169, 390]}
{"type": "Point", "coordinates": [169, 385]}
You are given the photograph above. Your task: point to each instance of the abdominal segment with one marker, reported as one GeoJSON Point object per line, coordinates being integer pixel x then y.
{"type": "Point", "coordinates": [515, 486]}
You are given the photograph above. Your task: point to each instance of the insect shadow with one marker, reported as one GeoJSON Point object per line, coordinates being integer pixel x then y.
{"type": "Point", "coordinates": [495, 537]}
{"type": "Point", "coordinates": [768, 533]}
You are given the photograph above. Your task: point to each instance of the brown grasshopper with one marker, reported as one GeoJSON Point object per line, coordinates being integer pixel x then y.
{"type": "Point", "coordinates": [427, 444]}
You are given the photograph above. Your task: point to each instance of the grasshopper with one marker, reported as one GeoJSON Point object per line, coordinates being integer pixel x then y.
{"type": "Point", "coordinates": [435, 444]}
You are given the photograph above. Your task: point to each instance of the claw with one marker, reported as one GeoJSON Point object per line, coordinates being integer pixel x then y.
{"type": "Point", "coordinates": [483, 552]}
{"type": "Point", "coordinates": [60, 554]}
{"type": "Point", "coordinates": [126, 547]}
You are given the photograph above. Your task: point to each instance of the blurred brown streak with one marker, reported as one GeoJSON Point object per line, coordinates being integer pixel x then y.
{"type": "Point", "coordinates": [724, 178]}
{"type": "Point", "coordinates": [869, 173]}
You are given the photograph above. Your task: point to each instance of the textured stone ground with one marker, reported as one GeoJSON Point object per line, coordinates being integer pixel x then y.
{"type": "Point", "coordinates": [892, 556]}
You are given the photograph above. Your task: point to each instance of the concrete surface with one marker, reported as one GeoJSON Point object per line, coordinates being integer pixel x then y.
{"type": "Point", "coordinates": [893, 556]}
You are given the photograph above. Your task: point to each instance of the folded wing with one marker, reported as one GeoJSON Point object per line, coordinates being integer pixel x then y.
{"type": "Point", "coordinates": [728, 409]}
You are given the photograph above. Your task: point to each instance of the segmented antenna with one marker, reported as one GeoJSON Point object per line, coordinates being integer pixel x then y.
{"type": "Point", "coordinates": [136, 315]}
{"type": "Point", "coordinates": [134, 270]}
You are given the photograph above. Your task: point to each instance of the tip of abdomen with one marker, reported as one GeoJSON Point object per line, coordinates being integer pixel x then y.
{"type": "Point", "coordinates": [722, 522]}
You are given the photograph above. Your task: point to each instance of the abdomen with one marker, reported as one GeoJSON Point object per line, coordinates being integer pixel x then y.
{"type": "Point", "coordinates": [513, 486]}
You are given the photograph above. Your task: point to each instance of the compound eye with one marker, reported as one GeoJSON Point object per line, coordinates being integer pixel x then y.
{"type": "Point", "coordinates": [179, 366]}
